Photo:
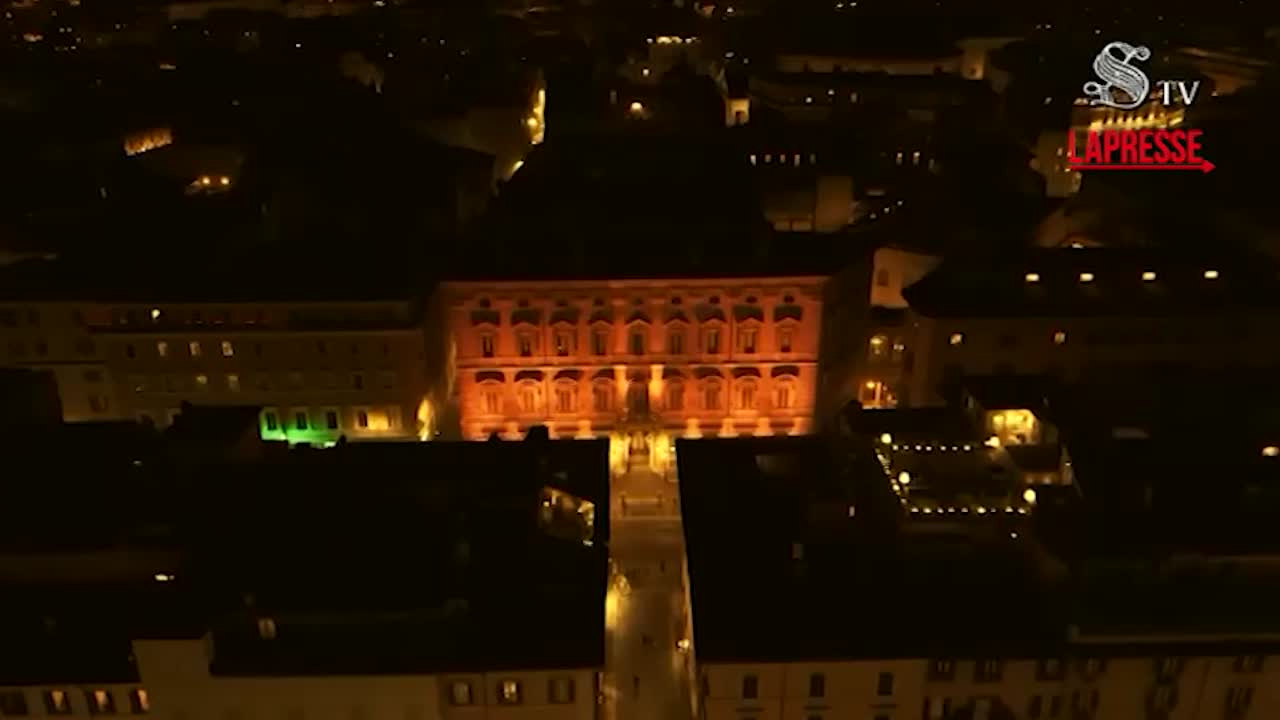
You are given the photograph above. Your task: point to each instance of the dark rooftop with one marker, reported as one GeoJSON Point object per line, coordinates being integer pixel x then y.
{"type": "Point", "coordinates": [1096, 282]}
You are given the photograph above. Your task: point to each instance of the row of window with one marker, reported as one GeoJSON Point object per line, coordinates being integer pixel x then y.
{"type": "Point", "coordinates": [565, 342]}
{"type": "Point", "coordinates": [986, 671]}
{"type": "Point", "coordinates": [196, 349]}
{"type": "Point", "coordinates": [13, 703]}
{"type": "Point", "coordinates": [329, 419]}
{"type": "Point", "coordinates": [560, 691]}
{"type": "Point", "coordinates": [485, 303]}
{"type": "Point", "coordinates": [604, 397]}
{"type": "Point", "coordinates": [261, 381]}
{"type": "Point", "coordinates": [83, 347]}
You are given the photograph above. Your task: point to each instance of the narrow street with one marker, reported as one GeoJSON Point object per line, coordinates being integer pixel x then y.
{"type": "Point", "coordinates": [646, 677]}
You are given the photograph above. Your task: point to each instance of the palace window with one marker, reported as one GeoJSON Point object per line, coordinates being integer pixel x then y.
{"type": "Point", "coordinates": [194, 347]}
{"type": "Point", "coordinates": [566, 398]}
{"type": "Point", "coordinates": [711, 341]}
{"type": "Point", "coordinates": [747, 395]}
{"type": "Point", "coordinates": [747, 340]}
{"type": "Point", "coordinates": [564, 343]}
{"type": "Point", "coordinates": [711, 396]}
{"type": "Point", "coordinates": [637, 341]}
{"type": "Point", "coordinates": [784, 339]}
{"type": "Point", "coordinates": [602, 397]}
{"type": "Point", "coordinates": [486, 345]}
{"type": "Point", "coordinates": [524, 341]}
{"type": "Point", "coordinates": [600, 342]}
{"type": "Point", "coordinates": [675, 342]}
{"type": "Point", "coordinates": [492, 397]}
{"type": "Point", "coordinates": [529, 398]}
{"type": "Point", "coordinates": [675, 395]}
{"type": "Point", "coordinates": [784, 395]}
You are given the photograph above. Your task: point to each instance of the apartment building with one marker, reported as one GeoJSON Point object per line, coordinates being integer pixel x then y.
{"type": "Point", "coordinates": [816, 593]}
{"type": "Point", "coordinates": [639, 361]}
{"type": "Point", "coordinates": [387, 581]}
{"type": "Point", "coordinates": [325, 364]}
{"type": "Point", "coordinates": [1074, 314]}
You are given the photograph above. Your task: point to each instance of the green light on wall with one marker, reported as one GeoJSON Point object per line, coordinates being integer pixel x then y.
{"type": "Point", "coordinates": [311, 436]}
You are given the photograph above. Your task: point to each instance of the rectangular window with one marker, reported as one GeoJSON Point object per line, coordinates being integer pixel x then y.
{"type": "Point", "coordinates": [602, 398]}
{"type": "Point", "coordinates": [675, 342]}
{"type": "Point", "coordinates": [711, 397]}
{"type": "Point", "coordinates": [637, 342]}
{"type": "Point", "coordinates": [492, 402]}
{"type": "Point", "coordinates": [750, 687]}
{"type": "Point", "coordinates": [564, 343]}
{"type": "Point", "coordinates": [13, 704]}
{"type": "Point", "coordinates": [98, 403]}
{"type": "Point", "coordinates": [712, 344]}
{"type": "Point", "coordinates": [942, 670]}
{"type": "Point", "coordinates": [195, 349]}
{"type": "Point", "coordinates": [357, 381]}
{"type": "Point", "coordinates": [56, 702]}
{"type": "Point", "coordinates": [233, 382]}
{"type": "Point", "coordinates": [817, 685]}
{"type": "Point", "coordinates": [1248, 664]}
{"type": "Point", "coordinates": [988, 671]}
{"type": "Point", "coordinates": [1239, 699]}
{"type": "Point", "coordinates": [884, 684]}
{"type": "Point", "coordinates": [362, 420]}
{"type": "Point", "coordinates": [747, 396]}
{"type": "Point", "coordinates": [509, 692]}
{"type": "Point", "coordinates": [100, 702]}
{"type": "Point", "coordinates": [1049, 669]}
{"type": "Point", "coordinates": [675, 396]}
{"type": "Point", "coordinates": [300, 419]}
{"type": "Point", "coordinates": [784, 339]}
{"type": "Point", "coordinates": [525, 344]}
{"type": "Point", "coordinates": [747, 338]}
{"type": "Point", "coordinates": [270, 419]}
{"type": "Point", "coordinates": [228, 350]}
{"type": "Point", "coordinates": [331, 419]}
{"type": "Point", "coordinates": [785, 396]}
{"type": "Point", "coordinates": [139, 701]}
{"type": "Point", "coordinates": [460, 693]}
{"type": "Point", "coordinates": [560, 690]}
{"type": "Point", "coordinates": [162, 349]}
{"type": "Point", "coordinates": [564, 399]}
{"type": "Point", "coordinates": [486, 345]}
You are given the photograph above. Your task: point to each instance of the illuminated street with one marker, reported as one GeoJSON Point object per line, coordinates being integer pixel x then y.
{"type": "Point", "coordinates": [646, 604]}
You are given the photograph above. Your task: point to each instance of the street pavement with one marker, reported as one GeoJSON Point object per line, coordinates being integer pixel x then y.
{"type": "Point", "coordinates": [646, 676]}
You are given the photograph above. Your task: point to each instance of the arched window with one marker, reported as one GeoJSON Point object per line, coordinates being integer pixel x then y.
{"type": "Point", "coordinates": [674, 393]}
{"type": "Point", "coordinates": [602, 397]}
{"type": "Point", "coordinates": [528, 394]}
{"type": "Point", "coordinates": [711, 395]}
{"type": "Point", "coordinates": [784, 394]}
{"type": "Point", "coordinates": [638, 398]}
{"type": "Point", "coordinates": [566, 397]}
{"type": "Point", "coordinates": [491, 398]}
{"type": "Point", "coordinates": [746, 395]}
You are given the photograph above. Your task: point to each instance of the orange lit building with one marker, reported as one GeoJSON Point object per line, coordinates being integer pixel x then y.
{"type": "Point", "coordinates": [640, 361]}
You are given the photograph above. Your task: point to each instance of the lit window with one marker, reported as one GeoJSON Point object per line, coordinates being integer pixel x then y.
{"type": "Point", "coordinates": [492, 401]}
{"type": "Point", "coordinates": [228, 350]}
{"type": "Point", "coordinates": [56, 702]}
{"type": "Point", "coordinates": [486, 345]}
{"type": "Point", "coordinates": [1148, 276]}
{"type": "Point", "coordinates": [194, 347]}
{"type": "Point", "coordinates": [956, 338]}
{"type": "Point", "coordinates": [711, 396]}
{"type": "Point", "coordinates": [564, 343]}
{"type": "Point", "coordinates": [525, 344]}
{"type": "Point", "coordinates": [202, 382]}
{"type": "Point", "coordinates": [529, 399]}
{"type": "Point", "coordinates": [1033, 277]}
{"type": "Point", "coordinates": [362, 420]}
{"type": "Point", "coordinates": [560, 690]}
{"type": "Point", "coordinates": [784, 339]}
{"type": "Point", "coordinates": [1210, 274]}
{"type": "Point", "coordinates": [270, 420]}
{"type": "Point", "coordinates": [566, 400]}
{"type": "Point", "coordinates": [100, 702]}
{"type": "Point", "coordinates": [1271, 451]}
{"type": "Point", "coordinates": [155, 313]}
{"type": "Point", "coordinates": [602, 398]}
{"type": "Point", "coordinates": [747, 396]}
{"type": "Point", "coordinates": [784, 396]}
{"type": "Point", "coordinates": [233, 382]}
{"type": "Point", "coordinates": [266, 628]}
{"type": "Point", "coordinates": [300, 420]}
{"type": "Point", "coordinates": [747, 340]}
{"type": "Point", "coordinates": [1059, 337]}
{"type": "Point", "coordinates": [1086, 277]}
{"type": "Point", "coordinates": [915, 158]}
{"type": "Point", "coordinates": [162, 349]}
{"type": "Point", "coordinates": [898, 158]}
{"type": "Point", "coordinates": [460, 693]}
{"type": "Point", "coordinates": [509, 692]}
{"type": "Point", "coordinates": [712, 341]}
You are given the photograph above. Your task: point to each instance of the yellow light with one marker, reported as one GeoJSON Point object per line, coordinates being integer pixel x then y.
{"type": "Point", "coordinates": [992, 442]}
{"type": "Point", "coordinates": [644, 72]}
{"type": "Point", "coordinates": [1210, 274]}
{"type": "Point", "coordinates": [155, 313]}
{"type": "Point", "coordinates": [1271, 451]}
{"type": "Point", "coordinates": [205, 180]}
{"type": "Point", "coordinates": [637, 107]}
{"type": "Point", "coordinates": [1086, 277]}
{"type": "Point", "coordinates": [1033, 277]}
{"type": "Point", "coordinates": [982, 510]}
{"type": "Point", "coordinates": [516, 168]}
{"type": "Point", "coordinates": [904, 478]}
{"type": "Point", "coordinates": [224, 181]}
{"type": "Point", "coordinates": [1148, 276]}
{"type": "Point", "coordinates": [163, 577]}
{"type": "Point", "coordinates": [886, 438]}
{"type": "Point", "coordinates": [871, 384]}
{"type": "Point", "coordinates": [1059, 337]}
{"type": "Point", "coordinates": [531, 123]}
{"type": "Point", "coordinates": [957, 338]}
{"type": "Point", "coordinates": [1029, 495]}
{"type": "Point", "coordinates": [877, 341]}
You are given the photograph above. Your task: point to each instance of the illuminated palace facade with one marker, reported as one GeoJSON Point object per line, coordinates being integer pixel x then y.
{"type": "Point", "coordinates": [639, 361]}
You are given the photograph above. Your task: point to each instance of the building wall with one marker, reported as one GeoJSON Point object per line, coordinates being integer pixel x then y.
{"type": "Point", "coordinates": [1125, 689]}
{"type": "Point", "coordinates": [174, 674]}
{"type": "Point", "coordinates": [563, 354]}
{"type": "Point", "coordinates": [364, 363]}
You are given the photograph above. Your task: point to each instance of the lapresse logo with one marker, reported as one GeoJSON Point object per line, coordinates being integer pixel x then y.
{"type": "Point", "coordinates": [1124, 86]}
